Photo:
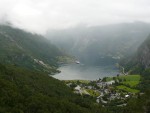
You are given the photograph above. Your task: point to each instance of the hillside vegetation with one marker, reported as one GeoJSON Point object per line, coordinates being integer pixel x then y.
{"type": "Point", "coordinates": [127, 83]}
{"type": "Point", "coordinates": [25, 91]}
{"type": "Point", "coordinates": [140, 64]}
{"type": "Point", "coordinates": [27, 50]}
{"type": "Point", "coordinates": [25, 86]}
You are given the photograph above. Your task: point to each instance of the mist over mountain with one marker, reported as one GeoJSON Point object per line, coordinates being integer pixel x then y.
{"type": "Point", "coordinates": [144, 53]}
{"type": "Point", "coordinates": [140, 60]}
{"type": "Point", "coordinates": [28, 50]}
{"type": "Point", "coordinates": [26, 60]}
{"type": "Point", "coordinates": [40, 15]}
{"type": "Point", "coordinates": [101, 44]}
{"type": "Point", "coordinates": [74, 56]}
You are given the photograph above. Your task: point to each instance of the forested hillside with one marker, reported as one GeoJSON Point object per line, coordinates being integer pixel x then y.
{"type": "Point", "coordinates": [26, 49]}
{"type": "Point", "coordinates": [144, 53]}
{"type": "Point", "coordinates": [139, 61]}
{"type": "Point", "coordinates": [140, 64]}
{"type": "Point", "coordinates": [25, 91]}
{"type": "Point", "coordinates": [25, 84]}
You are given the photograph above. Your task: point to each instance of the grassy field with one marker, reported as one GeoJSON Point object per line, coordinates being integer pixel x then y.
{"type": "Point", "coordinates": [131, 80]}
{"type": "Point", "coordinates": [127, 89]}
{"type": "Point", "coordinates": [131, 83]}
{"type": "Point", "coordinates": [130, 77]}
{"type": "Point", "coordinates": [128, 82]}
{"type": "Point", "coordinates": [93, 93]}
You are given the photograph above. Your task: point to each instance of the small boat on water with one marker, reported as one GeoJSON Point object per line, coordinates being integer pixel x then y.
{"type": "Point", "coordinates": [77, 62]}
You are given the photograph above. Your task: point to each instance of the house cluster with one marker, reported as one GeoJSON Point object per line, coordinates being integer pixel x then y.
{"type": "Point", "coordinates": [104, 89]}
{"type": "Point", "coordinates": [102, 84]}
{"type": "Point", "coordinates": [108, 93]}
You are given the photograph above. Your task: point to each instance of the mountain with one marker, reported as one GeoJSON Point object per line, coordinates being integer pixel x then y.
{"type": "Point", "coordinates": [144, 53]}
{"type": "Point", "coordinates": [26, 91]}
{"type": "Point", "coordinates": [139, 63]}
{"type": "Point", "coordinates": [140, 60]}
{"type": "Point", "coordinates": [28, 50]}
{"type": "Point", "coordinates": [101, 44]}
{"type": "Point", "coordinates": [25, 86]}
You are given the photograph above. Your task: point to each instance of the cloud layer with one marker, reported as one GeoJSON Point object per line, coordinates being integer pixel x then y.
{"type": "Point", "coordinates": [40, 15]}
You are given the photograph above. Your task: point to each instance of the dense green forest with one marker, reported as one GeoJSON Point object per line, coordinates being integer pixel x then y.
{"type": "Point", "coordinates": [25, 91]}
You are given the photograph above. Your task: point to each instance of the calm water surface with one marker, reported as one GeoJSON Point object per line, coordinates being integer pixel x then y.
{"type": "Point", "coordinates": [84, 72]}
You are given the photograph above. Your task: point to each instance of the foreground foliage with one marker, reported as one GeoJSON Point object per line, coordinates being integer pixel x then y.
{"type": "Point", "coordinates": [24, 91]}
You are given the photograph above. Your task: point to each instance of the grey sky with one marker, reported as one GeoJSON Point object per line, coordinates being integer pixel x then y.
{"type": "Point", "coordinates": [41, 15]}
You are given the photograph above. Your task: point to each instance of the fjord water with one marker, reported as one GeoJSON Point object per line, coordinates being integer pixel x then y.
{"type": "Point", "coordinates": [85, 72]}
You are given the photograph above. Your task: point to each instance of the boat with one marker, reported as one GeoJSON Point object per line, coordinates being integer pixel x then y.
{"type": "Point", "coordinates": [77, 62]}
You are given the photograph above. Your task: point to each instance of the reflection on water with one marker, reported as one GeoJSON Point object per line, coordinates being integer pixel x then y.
{"type": "Point", "coordinates": [84, 72]}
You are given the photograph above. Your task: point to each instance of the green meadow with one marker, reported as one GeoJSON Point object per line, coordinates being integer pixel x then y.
{"type": "Point", "coordinates": [127, 83]}
{"type": "Point", "coordinates": [93, 93]}
{"type": "Point", "coordinates": [131, 80]}
{"type": "Point", "coordinates": [127, 89]}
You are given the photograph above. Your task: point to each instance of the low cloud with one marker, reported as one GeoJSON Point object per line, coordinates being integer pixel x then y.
{"type": "Point", "coordinates": [40, 15]}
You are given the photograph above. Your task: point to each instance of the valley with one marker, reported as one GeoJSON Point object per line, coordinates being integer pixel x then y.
{"type": "Point", "coordinates": [39, 77]}
{"type": "Point", "coordinates": [109, 91]}
{"type": "Point", "coordinates": [74, 56]}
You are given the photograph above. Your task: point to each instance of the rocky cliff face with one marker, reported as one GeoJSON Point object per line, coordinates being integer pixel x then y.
{"type": "Point", "coordinates": [144, 53]}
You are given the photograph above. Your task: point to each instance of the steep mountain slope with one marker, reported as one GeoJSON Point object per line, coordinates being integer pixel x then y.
{"type": "Point", "coordinates": [144, 53]}
{"type": "Point", "coordinates": [26, 91]}
{"type": "Point", "coordinates": [101, 44]}
{"type": "Point", "coordinates": [25, 49]}
{"type": "Point", "coordinates": [139, 63]}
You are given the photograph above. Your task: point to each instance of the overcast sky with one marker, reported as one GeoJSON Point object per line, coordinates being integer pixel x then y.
{"type": "Point", "coordinates": [40, 15]}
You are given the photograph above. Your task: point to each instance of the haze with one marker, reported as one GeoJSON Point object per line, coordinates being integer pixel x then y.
{"type": "Point", "coordinates": [40, 15]}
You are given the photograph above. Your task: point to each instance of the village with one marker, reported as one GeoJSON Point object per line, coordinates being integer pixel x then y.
{"type": "Point", "coordinates": [109, 90]}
